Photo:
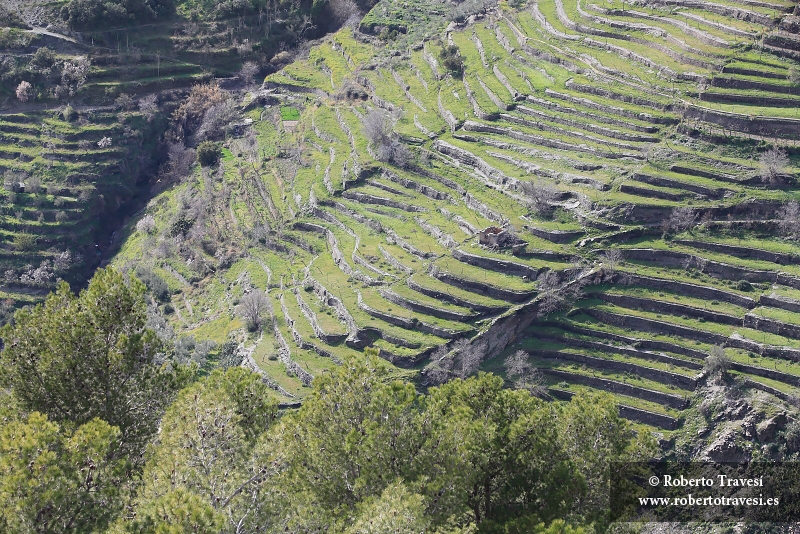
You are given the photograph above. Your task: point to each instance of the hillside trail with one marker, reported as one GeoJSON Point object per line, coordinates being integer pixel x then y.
{"type": "Point", "coordinates": [642, 87]}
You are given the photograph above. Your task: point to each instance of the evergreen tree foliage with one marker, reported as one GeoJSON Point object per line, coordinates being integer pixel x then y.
{"type": "Point", "coordinates": [79, 357]}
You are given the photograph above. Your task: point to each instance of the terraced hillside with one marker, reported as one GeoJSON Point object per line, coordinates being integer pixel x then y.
{"type": "Point", "coordinates": [602, 187]}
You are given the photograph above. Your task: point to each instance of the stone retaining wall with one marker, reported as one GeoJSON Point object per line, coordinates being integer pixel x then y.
{"type": "Point", "coordinates": [649, 192]}
{"type": "Point", "coordinates": [642, 343]}
{"type": "Point", "coordinates": [712, 268]}
{"type": "Point", "coordinates": [685, 288]}
{"type": "Point", "coordinates": [419, 188]}
{"type": "Point", "coordinates": [773, 126]}
{"type": "Point", "coordinates": [629, 412]}
{"type": "Point", "coordinates": [670, 308]}
{"type": "Point", "coordinates": [656, 375]}
{"type": "Point", "coordinates": [501, 266]}
{"type": "Point", "coordinates": [483, 289]}
{"type": "Point", "coordinates": [778, 301]}
{"type": "Point", "coordinates": [744, 252]}
{"type": "Point", "coordinates": [364, 198]}
{"type": "Point", "coordinates": [645, 355]}
{"type": "Point", "coordinates": [446, 297]}
{"type": "Point", "coordinates": [621, 388]}
{"type": "Point", "coordinates": [394, 298]}
{"type": "Point", "coordinates": [669, 182]}
{"type": "Point", "coordinates": [766, 324]}
{"type": "Point", "coordinates": [653, 326]}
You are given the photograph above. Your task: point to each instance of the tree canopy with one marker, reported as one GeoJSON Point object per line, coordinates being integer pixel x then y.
{"type": "Point", "coordinates": [80, 357]}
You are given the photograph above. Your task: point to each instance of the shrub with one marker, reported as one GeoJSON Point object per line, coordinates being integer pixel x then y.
{"type": "Point", "coordinates": [69, 113]}
{"type": "Point", "coordinates": [717, 362]}
{"type": "Point", "coordinates": [43, 59]}
{"type": "Point", "coordinates": [154, 283]}
{"type": "Point", "coordinates": [451, 60]}
{"type": "Point", "coordinates": [744, 285]}
{"type": "Point", "coordinates": [208, 153]}
{"type": "Point", "coordinates": [25, 241]}
{"type": "Point", "coordinates": [146, 225]}
{"type": "Point", "coordinates": [794, 75]}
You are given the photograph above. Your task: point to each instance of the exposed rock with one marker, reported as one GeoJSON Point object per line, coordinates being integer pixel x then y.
{"type": "Point", "coordinates": [766, 429]}
{"type": "Point", "coordinates": [725, 449]}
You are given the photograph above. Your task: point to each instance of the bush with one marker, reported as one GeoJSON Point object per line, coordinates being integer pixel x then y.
{"type": "Point", "coordinates": [744, 285]}
{"type": "Point", "coordinates": [451, 59]}
{"type": "Point", "coordinates": [23, 242]}
{"type": "Point", "coordinates": [717, 361]}
{"type": "Point", "coordinates": [43, 59]}
{"type": "Point", "coordinates": [208, 153]}
{"type": "Point", "coordinates": [69, 113]}
{"type": "Point", "coordinates": [154, 283]}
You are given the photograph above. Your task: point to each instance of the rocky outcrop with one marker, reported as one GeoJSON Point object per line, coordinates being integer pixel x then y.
{"type": "Point", "coordinates": [766, 430]}
{"type": "Point", "coordinates": [725, 449]}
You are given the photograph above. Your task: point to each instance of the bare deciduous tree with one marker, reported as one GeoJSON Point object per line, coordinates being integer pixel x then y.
{"type": "Point", "coordinates": [555, 295]}
{"type": "Point", "coordinates": [146, 225]}
{"type": "Point", "coordinates": [344, 10]}
{"type": "Point", "coordinates": [378, 129]}
{"type": "Point", "coordinates": [218, 120]}
{"type": "Point", "coordinates": [125, 102]}
{"type": "Point", "coordinates": [253, 306]}
{"type": "Point", "coordinates": [612, 258]}
{"type": "Point", "coordinates": [248, 72]}
{"type": "Point", "coordinates": [680, 220]}
{"type": "Point", "coordinates": [789, 219]}
{"type": "Point", "coordinates": [149, 106]}
{"type": "Point", "coordinates": [541, 196]}
{"type": "Point", "coordinates": [774, 163]}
